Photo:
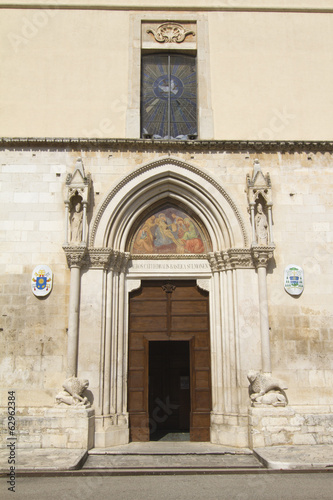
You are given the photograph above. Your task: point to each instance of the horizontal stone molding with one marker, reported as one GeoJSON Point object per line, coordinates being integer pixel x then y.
{"type": "Point", "coordinates": [75, 143]}
{"type": "Point", "coordinates": [109, 259]}
{"type": "Point", "coordinates": [186, 5]}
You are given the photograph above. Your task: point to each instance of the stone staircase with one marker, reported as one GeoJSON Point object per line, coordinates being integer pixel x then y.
{"type": "Point", "coordinates": [169, 458]}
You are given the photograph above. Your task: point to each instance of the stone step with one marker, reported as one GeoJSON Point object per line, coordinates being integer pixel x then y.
{"type": "Point", "coordinates": [170, 456]}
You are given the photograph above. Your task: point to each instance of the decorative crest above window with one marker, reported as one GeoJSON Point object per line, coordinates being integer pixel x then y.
{"type": "Point", "coordinates": [170, 33]}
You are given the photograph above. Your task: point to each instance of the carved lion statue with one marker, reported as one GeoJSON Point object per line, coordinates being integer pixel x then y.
{"type": "Point", "coordinates": [265, 389]}
{"type": "Point", "coordinates": [73, 393]}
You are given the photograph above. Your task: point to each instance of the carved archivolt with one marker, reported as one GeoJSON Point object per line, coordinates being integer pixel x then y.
{"type": "Point", "coordinates": [150, 167]}
{"type": "Point", "coordinates": [170, 33]}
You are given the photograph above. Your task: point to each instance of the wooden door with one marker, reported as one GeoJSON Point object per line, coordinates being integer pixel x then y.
{"type": "Point", "coordinates": [173, 311]}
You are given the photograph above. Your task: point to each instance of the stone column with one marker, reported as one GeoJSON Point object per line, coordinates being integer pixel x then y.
{"type": "Point", "coordinates": [254, 235]}
{"type": "Point", "coordinates": [84, 222]}
{"type": "Point", "coordinates": [216, 338]}
{"type": "Point", "coordinates": [270, 223]}
{"type": "Point", "coordinates": [66, 221]}
{"type": "Point", "coordinates": [75, 257]}
{"type": "Point", "coordinates": [107, 347]}
{"type": "Point", "coordinates": [261, 255]}
{"type": "Point", "coordinates": [119, 384]}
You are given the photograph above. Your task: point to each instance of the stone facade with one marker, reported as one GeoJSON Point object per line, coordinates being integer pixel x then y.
{"type": "Point", "coordinates": [81, 328]}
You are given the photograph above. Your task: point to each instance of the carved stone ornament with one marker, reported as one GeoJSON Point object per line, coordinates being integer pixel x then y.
{"type": "Point", "coordinates": [170, 33]}
{"type": "Point", "coordinates": [75, 255]}
{"type": "Point", "coordinates": [264, 390]}
{"type": "Point", "coordinates": [168, 288]}
{"type": "Point", "coordinates": [73, 393]}
{"type": "Point", "coordinates": [76, 201]}
{"type": "Point", "coordinates": [203, 285]}
{"type": "Point", "coordinates": [78, 181]}
{"type": "Point", "coordinates": [234, 258]}
{"type": "Point", "coordinates": [120, 261]}
{"type": "Point", "coordinates": [258, 184]}
{"type": "Point", "coordinates": [262, 254]}
{"type": "Point", "coordinates": [99, 258]}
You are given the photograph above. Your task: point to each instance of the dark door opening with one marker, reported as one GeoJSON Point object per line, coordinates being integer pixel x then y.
{"type": "Point", "coordinates": [169, 389]}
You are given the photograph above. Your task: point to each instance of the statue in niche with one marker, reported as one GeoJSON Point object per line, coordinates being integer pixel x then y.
{"type": "Point", "coordinates": [73, 393]}
{"type": "Point", "coordinates": [265, 390]}
{"type": "Point", "coordinates": [76, 224]}
{"type": "Point", "coordinates": [261, 226]}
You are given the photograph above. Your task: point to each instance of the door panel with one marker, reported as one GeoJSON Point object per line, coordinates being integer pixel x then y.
{"type": "Point", "coordinates": [174, 315]}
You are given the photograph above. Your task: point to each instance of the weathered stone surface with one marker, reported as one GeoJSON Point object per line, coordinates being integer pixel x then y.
{"type": "Point", "coordinates": [299, 425]}
{"type": "Point", "coordinates": [52, 428]}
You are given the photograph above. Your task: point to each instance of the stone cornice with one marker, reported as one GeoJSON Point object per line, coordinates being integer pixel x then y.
{"type": "Point", "coordinates": [75, 144]}
{"type": "Point", "coordinates": [186, 5]}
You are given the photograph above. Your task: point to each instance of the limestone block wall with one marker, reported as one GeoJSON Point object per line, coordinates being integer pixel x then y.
{"type": "Point", "coordinates": [33, 330]}
{"type": "Point", "coordinates": [301, 425]}
{"type": "Point", "coordinates": [301, 328]}
{"type": "Point", "coordinates": [52, 428]}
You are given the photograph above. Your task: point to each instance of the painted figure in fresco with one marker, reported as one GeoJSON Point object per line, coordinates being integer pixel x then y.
{"type": "Point", "coordinates": [261, 226]}
{"type": "Point", "coordinates": [164, 234]}
{"type": "Point", "coordinates": [144, 242]}
{"type": "Point", "coordinates": [76, 224]}
{"type": "Point", "coordinates": [192, 244]}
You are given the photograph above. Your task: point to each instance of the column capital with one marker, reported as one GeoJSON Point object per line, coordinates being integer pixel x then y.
{"type": "Point", "coordinates": [99, 258]}
{"type": "Point", "coordinates": [262, 254]}
{"type": "Point", "coordinates": [120, 261]}
{"type": "Point", "coordinates": [233, 258]}
{"type": "Point", "coordinates": [75, 255]}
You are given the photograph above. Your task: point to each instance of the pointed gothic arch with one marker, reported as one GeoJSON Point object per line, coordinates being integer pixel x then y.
{"type": "Point", "coordinates": [179, 182]}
